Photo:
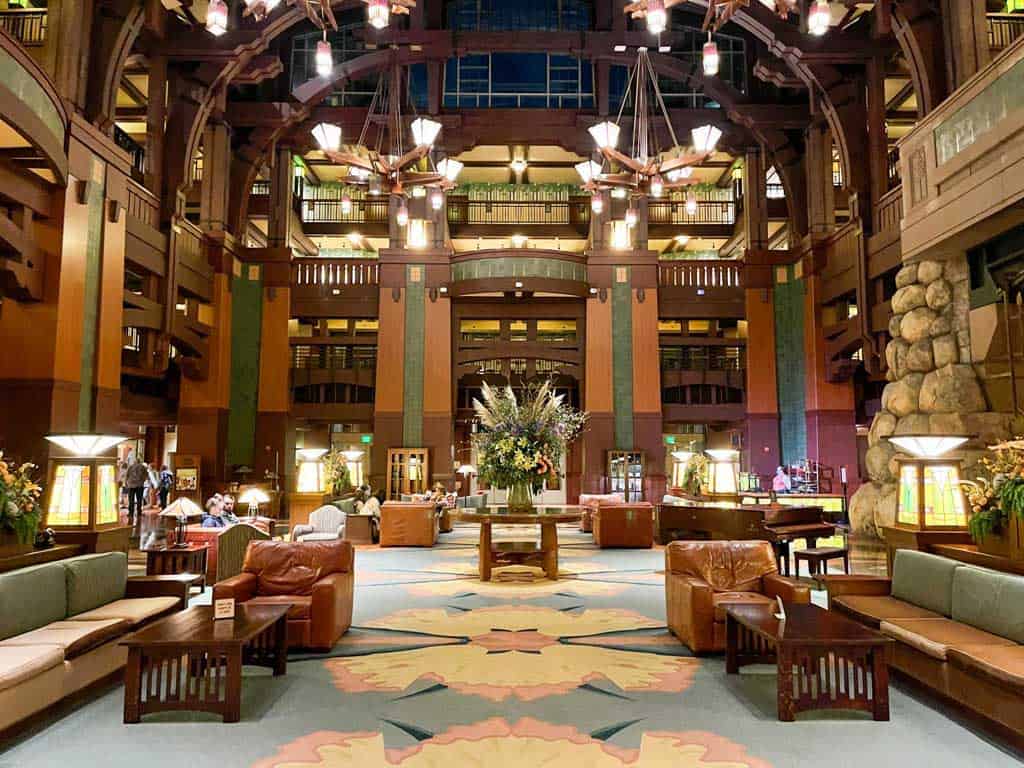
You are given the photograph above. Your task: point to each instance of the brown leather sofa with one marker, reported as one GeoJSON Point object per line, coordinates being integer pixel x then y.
{"type": "Point", "coordinates": [315, 577]}
{"type": "Point", "coordinates": [959, 629]}
{"type": "Point", "coordinates": [408, 524]}
{"type": "Point", "coordinates": [624, 525]}
{"type": "Point", "coordinates": [703, 577]}
{"type": "Point", "coordinates": [591, 501]}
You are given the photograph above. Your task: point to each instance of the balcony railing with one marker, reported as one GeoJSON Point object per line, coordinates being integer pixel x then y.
{"type": "Point", "coordinates": [142, 205]}
{"type": "Point", "coordinates": [674, 212]}
{"type": "Point", "coordinates": [368, 211]}
{"type": "Point", "coordinates": [571, 212]}
{"type": "Point", "coordinates": [335, 273]}
{"type": "Point", "coordinates": [703, 358]}
{"type": "Point", "coordinates": [892, 167]}
{"type": "Point", "coordinates": [260, 187]}
{"type": "Point", "coordinates": [27, 26]}
{"type": "Point", "coordinates": [700, 274]}
{"type": "Point", "coordinates": [333, 358]}
{"type": "Point", "coordinates": [1003, 29]}
{"type": "Point", "coordinates": [133, 148]}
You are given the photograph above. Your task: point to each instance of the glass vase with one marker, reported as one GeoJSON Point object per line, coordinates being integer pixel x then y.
{"type": "Point", "coordinates": [520, 497]}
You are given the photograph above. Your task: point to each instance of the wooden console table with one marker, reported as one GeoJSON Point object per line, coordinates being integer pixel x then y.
{"type": "Point", "coordinates": [825, 660]}
{"type": "Point", "coordinates": [190, 661]}
{"type": "Point", "coordinates": [508, 552]}
{"type": "Point", "coordinates": [166, 561]}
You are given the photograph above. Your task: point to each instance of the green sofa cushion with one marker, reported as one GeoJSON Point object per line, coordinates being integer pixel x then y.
{"type": "Point", "coordinates": [991, 601]}
{"type": "Point", "coordinates": [95, 580]}
{"type": "Point", "coordinates": [31, 598]}
{"type": "Point", "coordinates": [925, 580]}
{"type": "Point", "coordinates": [348, 506]}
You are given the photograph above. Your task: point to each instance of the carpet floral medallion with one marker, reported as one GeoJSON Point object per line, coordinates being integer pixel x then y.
{"type": "Point", "coordinates": [526, 742]}
{"type": "Point", "coordinates": [523, 651]}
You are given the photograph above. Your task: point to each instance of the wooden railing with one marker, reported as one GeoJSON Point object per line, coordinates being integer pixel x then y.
{"type": "Point", "coordinates": [260, 187]}
{"type": "Point", "coordinates": [1003, 29]}
{"type": "Point", "coordinates": [27, 26]}
{"type": "Point", "coordinates": [892, 167]}
{"type": "Point", "coordinates": [674, 212]}
{"type": "Point", "coordinates": [134, 149]}
{"type": "Point", "coordinates": [333, 357]}
{"type": "Point", "coordinates": [335, 273]}
{"type": "Point", "coordinates": [889, 210]}
{"type": "Point", "coordinates": [700, 274]}
{"type": "Point", "coordinates": [142, 205]}
{"type": "Point", "coordinates": [703, 358]}
{"type": "Point", "coordinates": [368, 211]}
{"type": "Point", "coordinates": [464, 211]}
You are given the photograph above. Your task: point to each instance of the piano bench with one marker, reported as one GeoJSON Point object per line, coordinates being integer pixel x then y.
{"type": "Point", "coordinates": [817, 559]}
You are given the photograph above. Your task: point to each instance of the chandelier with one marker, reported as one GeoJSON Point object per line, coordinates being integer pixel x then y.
{"type": "Point", "coordinates": [382, 159]}
{"type": "Point", "coordinates": [718, 13]}
{"type": "Point", "coordinates": [378, 13]}
{"type": "Point", "coordinates": [647, 168]}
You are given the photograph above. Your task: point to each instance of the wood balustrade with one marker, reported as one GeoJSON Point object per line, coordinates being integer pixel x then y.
{"type": "Point", "coordinates": [335, 273]}
{"type": "Point", "coordinates": [702, 274]}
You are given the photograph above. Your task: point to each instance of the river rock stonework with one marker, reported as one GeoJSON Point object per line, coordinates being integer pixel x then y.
{"type": "Point", "coordinates": [933, 388]}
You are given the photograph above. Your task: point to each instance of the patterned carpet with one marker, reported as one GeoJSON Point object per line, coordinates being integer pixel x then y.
{"type": "Point", "coordinates": [442, 670]}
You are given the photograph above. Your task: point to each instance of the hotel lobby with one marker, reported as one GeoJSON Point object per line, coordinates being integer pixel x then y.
{"type": "Point", "coordinates": [511, 383]}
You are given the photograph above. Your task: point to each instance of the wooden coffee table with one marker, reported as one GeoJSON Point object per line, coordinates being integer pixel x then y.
{"type": "Point", "coordinates": [508, 552]}
{"type": "Point", "coordinates": [189, 661]}
{"type": "Point", "coordinates": [825, 660]}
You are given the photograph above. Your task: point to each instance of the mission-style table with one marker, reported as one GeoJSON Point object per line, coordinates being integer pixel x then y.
{"type": "Point", "coordinates": [191, 661]}
{"type": "Point", "coordinates": [493, 554]}
{"type": "Point", "coordinates": [824, 660]}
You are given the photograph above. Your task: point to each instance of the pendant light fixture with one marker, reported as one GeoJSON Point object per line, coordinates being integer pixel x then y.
{"type": "Point", "coordinates": [346, 205]}
{"type": "Point", "coordinates": [378, 13]}
{"type": "Point", "coordinates": [217, 18]}
{"type": "Point", "coordinates": [710, 58]}
{"type": "Point", "coordinates": [597, 203]}
{"type": "Point", "coordinates": [819, 18]}
{"type": "Point", "coordinates": [657, 186]}
{"type": "Point", "coordinates": [324, 59]}
{"type": "Point", "coordinates": [631, 216]}
{"type": "Point", "coordinates": [437, 199]}
{"type": "Point", "coordinates": [402, 217]}
{"type": "Point", "coordinates": [328, 136]}
{"type": "Point", "coordinates": [691, 203]}
{"type": "Point", "coordinates": [657, 16]}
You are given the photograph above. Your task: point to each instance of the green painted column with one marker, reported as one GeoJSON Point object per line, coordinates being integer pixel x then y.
{"type": "Point", "coordinates": [622, 357]}
{"type": "Point", "coordinates": [789, 358]}
{"type": "Point", "coordinates": [415, 321]}
{"type": "Point", "coordinates": [246, 322]}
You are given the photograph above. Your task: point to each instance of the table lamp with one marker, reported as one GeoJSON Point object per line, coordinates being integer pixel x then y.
{"type": "Point", "coordinates": [930, 495]}
{"type": "Point", "coordinates": [724, 473]}
{"type": "Point", "coordinates": [254, 497]}
{"type": "Point", "coordinates": [310, 476]}
{"type": "Point", "coordinates": [181, 510]}
{"type": "Point", "coordinates": [680, 459]}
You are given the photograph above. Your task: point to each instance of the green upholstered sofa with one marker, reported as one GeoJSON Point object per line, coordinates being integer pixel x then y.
{"type": "Point", "coordinates": [959, 629]}
{"type": "Point", "coordinates": [60, 624]}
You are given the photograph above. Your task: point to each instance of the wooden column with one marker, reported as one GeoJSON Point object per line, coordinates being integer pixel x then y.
{"type": "Point", "coordinates": [966, 39]}
{"type": "Point", "coordinates": [829, 407]}
{"type": "Point", "coordinates": [213, 199]}
{"type": "Point", "coordinates": [598, 399]}
{"type": "Point", "coordinates": [279, 222]}
{"type": "Point", "coordinates": [755, 200]}
{"type": "Point", "coordinates": [761, 440]}
{"type": "Point", "coordinates": [878, 149]}
{"type": "Point", "coordinates": [156, 119]}
{"type": "Point", "coordinates": [821, 207]}
{"type": "Point", "coordinates": [647, 416]}
{"type": "Point", "coordinates": [438, 427]}
{"type": "Point", "coordinates": [273, 438]}
{"type": "Point", "coordinates": [390, 383]}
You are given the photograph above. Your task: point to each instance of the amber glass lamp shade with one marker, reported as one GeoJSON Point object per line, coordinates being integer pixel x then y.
{"type": "Point", "coordinates": [724, 471]}
{"type": "Point", "coordinates": [930, 495]}
{"type": "Point", "coordinates": [83, 494]}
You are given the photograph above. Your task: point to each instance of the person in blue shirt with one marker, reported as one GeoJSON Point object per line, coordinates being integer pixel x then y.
{"type": "Point", "coordinates": [213, 517]}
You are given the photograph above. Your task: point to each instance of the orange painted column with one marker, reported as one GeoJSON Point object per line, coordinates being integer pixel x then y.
{"type": "Point", "coordinates": [438, 424]}
{"type": "Point", "coordinates": [390, 387]}
{"type": "Point", "coordinates": [274, 448]}
{"type": "Point", "coordinates": [203, 403]}
{"type": "Point", "coordinates": [597, 393]}
{"type": "Point", "coordinates": [830, 408]}
{"type": "Point", "coordinates": [762, 433]}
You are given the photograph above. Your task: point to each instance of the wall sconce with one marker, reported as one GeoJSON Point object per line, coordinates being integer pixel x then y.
{"type": "Point", "coordinates": [930, 496]}
{"type": "Point", "coordinates": [113, 211]}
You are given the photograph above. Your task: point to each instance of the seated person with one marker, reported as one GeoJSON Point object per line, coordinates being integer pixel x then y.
{"type": "Point", "coordinates": [368, 504]}
{"type": "Point", "coordinates": [213, 517]}
{"type": "Point", "coordinates": [781, 482]}
{"type": "Point", "coordinates": [228, 510]}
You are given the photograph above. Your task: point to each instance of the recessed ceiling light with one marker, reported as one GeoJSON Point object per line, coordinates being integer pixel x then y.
{"type": "Point", "coordinates": [620, 48]}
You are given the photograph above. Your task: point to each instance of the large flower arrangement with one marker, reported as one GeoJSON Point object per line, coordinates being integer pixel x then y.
{"type": "Point", "coordinates": [993, 498]}
{"type": "Point", "coordinates": [521, 442]}
{"type": "Point", "coordinates": [337, 477]}
{"type": "Point", "coordinates": [20, 509]}
{"type": "Point", "coordinates": [695, 473]}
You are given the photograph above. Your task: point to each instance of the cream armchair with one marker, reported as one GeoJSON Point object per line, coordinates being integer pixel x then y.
{"type": "Point", "coordinates": [325, 523]}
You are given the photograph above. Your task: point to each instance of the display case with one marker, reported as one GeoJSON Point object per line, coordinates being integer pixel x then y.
{"type": "Point", "coordinates": [626, 472]}
{"type": "Point", "coordinates": [408, 472]}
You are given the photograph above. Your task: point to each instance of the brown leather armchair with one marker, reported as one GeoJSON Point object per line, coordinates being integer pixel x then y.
{"type": "Point", "coordinates": [591, 501]}
{"type": "Point", "coordinates": [408, 524]}
{"type": "Point", "coordinates": [315, 577]}
{"type": "Point", "coordinates": [624, 525]}
{"type": "Point", "coordinates": [703, 577]}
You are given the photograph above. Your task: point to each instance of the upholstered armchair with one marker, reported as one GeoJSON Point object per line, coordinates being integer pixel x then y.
{"type": "Point", "coordinates": [591, 501]}
{"type": "Point", "coordinates": [702, 578]}
{"type": "Point", "coordinates": [234, 545]}
{"type": "Point", "coordinates": [315, 579]}
{"type": "Point", "coordinates": [408, 524]}
{"type": "Point", "coordinates": [325, 523]}
{"type": "Point", "coordinates": [624, 525]}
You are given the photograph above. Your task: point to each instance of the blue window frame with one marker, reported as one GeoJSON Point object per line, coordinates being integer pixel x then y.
{"type": "Point", "coordinates": [518, 80]}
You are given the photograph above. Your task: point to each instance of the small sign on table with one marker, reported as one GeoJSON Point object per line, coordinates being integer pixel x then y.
{"type": "Point", "coordinates": [224, 608]}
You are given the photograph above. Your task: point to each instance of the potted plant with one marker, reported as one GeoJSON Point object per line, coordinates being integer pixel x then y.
{"type": "Point", "coordinates": [522, 441]}
{"type": "Point", "coordinates": [694, 474]}
{"type": "Point", "coordinates": [20, 510]}
{"type": "Point", "coordinates": [996, 499]}
{"type": "Point", "coordinates": [337, 477]}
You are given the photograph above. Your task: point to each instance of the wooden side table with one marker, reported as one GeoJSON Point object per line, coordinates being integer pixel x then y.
{"type": "Point", "coordinates": [173, 560]}
{"type": "Point", "coordinates": [817, 559]}
{"type": "Point", "coordinates": [359, 529]}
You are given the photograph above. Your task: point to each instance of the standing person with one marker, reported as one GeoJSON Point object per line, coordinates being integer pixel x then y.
{"type": "Point", "coordinates": [135, 480]}
{"type": "Point", "coordinates": [166, 481]}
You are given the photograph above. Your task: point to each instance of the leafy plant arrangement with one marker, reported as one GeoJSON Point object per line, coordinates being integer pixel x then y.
{"type": "Point", "coordinates": [20, 509]}
{"type": "Point", "coordinates": [521, 441]}
{"type": "Point", "coordinates": [1001, 494]}
{"type": "Point", "coordinates": [694, 473]}
{"type": "Point", "coordinates": [336, 474]}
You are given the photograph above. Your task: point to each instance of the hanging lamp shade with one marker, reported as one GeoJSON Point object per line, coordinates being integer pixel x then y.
{"type": "Point", "coordinates": [86, 444]}
{"type": "Point", "coordinates": [328, 136]}
{"type": "Point", "coordinates": [378, 13]}
{"type": "Point", "coordinates": [710, 57]}
{"type": "Point", "coordinates": [657, 16]}
{"type": "Point", "coordinates": [346, 205]}
{"type": "Point", "coordinates": [597, 202]}
{"type": "Point", "coordinates": [705, 138]}
{"type": "Point", "coordinates": [587, 170]}
{"type": "Point", "coordinates": [425, 131]}
{"type": "Point", "coordinates": [691, 203]}
{"type": "Point", "coordinates": [631, 216]}
{"type": "Point", "coordinates": [324, 59]}
{"type": "Point", "coordinates": [217, 17]}
{"type": "Point", "coordinates": [402, 217]}
{"type": "Point", "coordinates": [436, 199]}
{"type": "Point", "coordinates": [449, 168]}
{"type": "Point", "coordinates": [819, 18]}
{"type": "Point", "coordinates": [657, 186]}
{"type": "Point", "coordinates": [605, 134]}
